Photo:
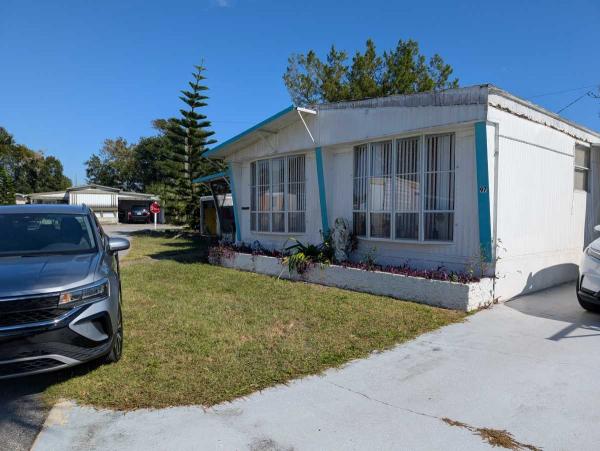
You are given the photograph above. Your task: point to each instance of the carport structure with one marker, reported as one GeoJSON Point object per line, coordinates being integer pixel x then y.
{"type": "Point", "coordinates": [222, 202]}
{"type": "Point", "coordinates": [109, 204]}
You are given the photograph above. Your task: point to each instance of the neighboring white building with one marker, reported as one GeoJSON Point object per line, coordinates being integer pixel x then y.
{"type": "Point", "coordinates": [109, 204]}
{"type": "Point", "coordinates": [20, 199]}
{"type": "Point", "coordinates": [464, 178]}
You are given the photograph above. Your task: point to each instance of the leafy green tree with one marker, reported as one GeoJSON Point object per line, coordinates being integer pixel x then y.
{"type": "Point", "coordinates": [153, 157]}
{"type": "Point", "coordinates": [364, 79]}
{"type": "Point", "coordinates": [6, 139]}
{"type": "Point", "coordinates": [190, 135]}
{"type": "Point", "coordinates": [51, 175]}
{"type": "Point", "coordinates": [334, 76]}
{"type": "Point", "coordinates": [114, 166]}
{"type": "Point", "coordinates": [7, 190]}
{"type": "Point", "coordinates": [28, 170]}
{"type": "Point", "coordinates": [402, 70]}
{"type": "Point", "coordinates": [304, 78]}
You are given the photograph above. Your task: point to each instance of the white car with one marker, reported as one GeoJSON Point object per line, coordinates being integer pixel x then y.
{"type": "Point", "coordinates": [588, 282]}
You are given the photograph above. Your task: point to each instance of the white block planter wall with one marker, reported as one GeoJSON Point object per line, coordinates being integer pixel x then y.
{"type": "Point", "coordinates": [453, 295]}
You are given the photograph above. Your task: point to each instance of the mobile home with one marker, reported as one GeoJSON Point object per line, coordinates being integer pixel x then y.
{"type": "Point", "coordinates": [467, 178]}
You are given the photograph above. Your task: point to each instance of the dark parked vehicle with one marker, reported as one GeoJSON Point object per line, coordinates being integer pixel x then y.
{"type": "Point", "coordinates": [60, 291]}
{"type": "Point", "coordinates": [139, 214]}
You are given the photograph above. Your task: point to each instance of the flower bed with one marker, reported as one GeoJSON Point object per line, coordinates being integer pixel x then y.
{"type": "Point", "coordinates": [433, 288]}
{"type": "Point", "coordinates": [228, 249]}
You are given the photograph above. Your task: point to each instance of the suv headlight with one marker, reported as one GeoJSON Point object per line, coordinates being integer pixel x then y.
{"type": "Point", "coordinates": [84, 295]}
{"type": "Point", "coordinates": [593, 253]}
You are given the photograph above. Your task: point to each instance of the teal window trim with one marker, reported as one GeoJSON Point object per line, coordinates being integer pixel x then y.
{"type": "Point", "coordinates": [322, 194]}
{"type": "Point", "coordinates": [483, 188]}
{"type": "Point", "coordinates": [238, 232]}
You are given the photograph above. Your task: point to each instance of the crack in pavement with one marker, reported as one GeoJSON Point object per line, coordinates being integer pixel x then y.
{"type": "Point", "coordinates": [495, 437]}
{"type": "Point", "coordinates": [406, 409]}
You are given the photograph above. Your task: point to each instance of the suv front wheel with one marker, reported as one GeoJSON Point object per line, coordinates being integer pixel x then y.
{"type": "Point", "coordinates": [116, 351]}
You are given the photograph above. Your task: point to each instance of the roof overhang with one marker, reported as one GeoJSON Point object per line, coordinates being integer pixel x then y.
{"type": "Point", "coordinates": [271, 125]}
{"type": "Point", "coordinates": [136, 196]}
{"type": "Point", "coordinates": [94, 186]}
{"type": "Point", "coordinates": [49, 195]}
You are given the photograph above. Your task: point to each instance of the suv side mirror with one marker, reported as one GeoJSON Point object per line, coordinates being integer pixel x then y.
{"type": "Point", "coordinates": [597, 228]}
{"type": "Point", "coordinates": [116, 244]}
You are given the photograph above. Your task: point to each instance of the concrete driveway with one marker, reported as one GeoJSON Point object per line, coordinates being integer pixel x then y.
{"type": "Point", "coordinates": [524, 374]}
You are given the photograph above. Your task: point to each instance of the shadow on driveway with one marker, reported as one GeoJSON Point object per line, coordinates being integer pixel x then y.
{"type": "Point", "coordinates": [560, 304]}
{"type": "Point", "coordinates": [22, 409]}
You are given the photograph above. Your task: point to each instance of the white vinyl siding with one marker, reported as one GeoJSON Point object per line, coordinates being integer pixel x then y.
{"type": "Point", "coordinates": [582, 167]}
{"type": "Point", "coordinates": [277, 195]}
{"type": "Point", "coordinates": [404, 189]}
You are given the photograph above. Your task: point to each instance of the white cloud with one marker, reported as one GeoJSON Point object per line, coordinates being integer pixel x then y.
{"type": "Point", "coordinates": [223, 3]}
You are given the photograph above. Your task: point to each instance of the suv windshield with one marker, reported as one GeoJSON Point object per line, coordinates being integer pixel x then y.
{"type": "Point", "coordinates": [45, 233]}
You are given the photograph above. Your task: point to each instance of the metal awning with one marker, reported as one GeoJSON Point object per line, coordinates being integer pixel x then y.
{"type": "Point", "coordinates": [269, 126]}
{"type": "Point", "coordinates": [211, 177]}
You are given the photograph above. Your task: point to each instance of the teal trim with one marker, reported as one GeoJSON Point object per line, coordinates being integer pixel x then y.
{"type": "Point", "coordinates": [483, 188]}
{"type": "Point", "coordinates": [236, 219]}
{"type": "Point", "coordinates": [322, 196]}
{"type": "Point", "coordinates": [210, 177]}
{"type": "Point", "coordinates": [221, 146]}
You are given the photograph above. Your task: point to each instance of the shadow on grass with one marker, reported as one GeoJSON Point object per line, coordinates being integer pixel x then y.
{"type": "Point", "coordinates": [190, 247]}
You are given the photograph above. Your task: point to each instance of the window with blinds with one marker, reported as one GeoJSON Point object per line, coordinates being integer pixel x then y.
{"type": "Point", "coordinates": [278, 195]}
{"type": "Point", "coordinates": [582, 167]}
{"type": "Point", "coordinates": [404, 189]}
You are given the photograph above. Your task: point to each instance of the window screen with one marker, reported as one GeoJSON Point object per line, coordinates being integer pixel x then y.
{"type": "Point", "coordinates": [404, 189]}
{"type": "Point", "coordinates": [277, 195]}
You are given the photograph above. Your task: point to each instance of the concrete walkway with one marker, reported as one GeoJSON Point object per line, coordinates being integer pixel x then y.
{"type": "Point", "coordinates": [530, 367]}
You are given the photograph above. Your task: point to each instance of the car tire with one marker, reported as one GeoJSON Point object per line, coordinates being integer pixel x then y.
{"type": "Point", "coordinates": [588, 305]}
{"type": "Point", "coordinates": [116, 350]}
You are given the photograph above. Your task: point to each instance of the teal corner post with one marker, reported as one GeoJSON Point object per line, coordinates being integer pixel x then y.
{"type": "Point", "coordinates": [322, 196]}
{"type": "Point", "coordinates": [238, 232]}
{"type": "Point", "coordinates": [483, 195]}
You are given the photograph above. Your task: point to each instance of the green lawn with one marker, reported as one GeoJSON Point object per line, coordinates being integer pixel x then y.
{"type": "Point", "coordinates": [201, 334]}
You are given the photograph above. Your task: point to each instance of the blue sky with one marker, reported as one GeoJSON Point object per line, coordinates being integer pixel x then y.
{"type": "Point", "coordinates": [73, 73]}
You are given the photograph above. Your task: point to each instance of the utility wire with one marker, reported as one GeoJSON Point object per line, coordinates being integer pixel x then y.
{"type": "Point", "coordinates": [563, 91]}
{"type": "Point", "coordinates": [587, 94]}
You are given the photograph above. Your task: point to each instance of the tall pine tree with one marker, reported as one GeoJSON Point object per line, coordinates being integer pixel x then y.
{"type": "Point", "coordinates": [190, 137]}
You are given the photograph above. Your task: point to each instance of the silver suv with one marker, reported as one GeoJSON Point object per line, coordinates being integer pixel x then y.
{"type": "Point", "coordinates": [60, 291]}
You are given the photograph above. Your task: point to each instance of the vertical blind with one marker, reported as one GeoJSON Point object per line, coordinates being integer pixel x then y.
{"type": "Point", "coordinates": [388, 185]}
{"type": "Point", "coordinates": [408, 179]}
{"type": "Point", "coordinates": [277, 195]}
{"type": "Point", "coordinates": [361, 180]}
{"type": "Point", "coordinates": [381, 189]}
